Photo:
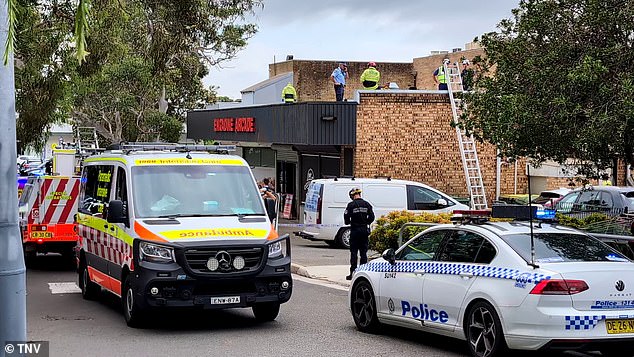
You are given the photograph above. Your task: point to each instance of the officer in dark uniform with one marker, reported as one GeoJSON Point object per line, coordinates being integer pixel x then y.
{"type": "Point", "coordinates": [358, 215]}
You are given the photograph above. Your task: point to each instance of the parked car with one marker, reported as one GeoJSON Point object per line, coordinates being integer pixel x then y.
{"type": "Point", "coordinates": [327, 199]}
{"type": "Point", "coordinates": [610, 200]}
{"type": "Point", "coordinates": [28, 164]}
{"type": "Point", "coordinates": [549, 198]}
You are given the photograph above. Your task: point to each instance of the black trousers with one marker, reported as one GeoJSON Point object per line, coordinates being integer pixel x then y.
{"type": "Point", "coordinates": [358, 242]}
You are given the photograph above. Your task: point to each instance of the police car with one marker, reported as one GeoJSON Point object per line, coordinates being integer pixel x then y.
{"type": "Point", "coordinates": [502, 285]}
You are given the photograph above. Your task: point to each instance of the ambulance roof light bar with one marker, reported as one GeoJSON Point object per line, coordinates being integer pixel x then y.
{"type": "Point", "coordinates": [129, 147]}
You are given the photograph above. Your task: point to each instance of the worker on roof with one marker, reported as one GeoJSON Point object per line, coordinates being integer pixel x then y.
{"type": "Point", "coordinates": [370, 77]}
{"type": "Point", "coordinates": [289, 95]}
{"type": "Point", "coordinates": [439, 75]}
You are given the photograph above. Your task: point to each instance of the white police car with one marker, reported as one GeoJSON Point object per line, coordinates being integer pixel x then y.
{"type": "Point", "coordinates": [478, 280]}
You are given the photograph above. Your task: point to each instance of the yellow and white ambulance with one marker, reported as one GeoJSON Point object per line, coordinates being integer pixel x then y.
{"type": "Point", "coordinates": [176, 226]}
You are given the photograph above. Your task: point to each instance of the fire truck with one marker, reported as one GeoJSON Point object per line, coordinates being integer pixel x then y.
{"type": "Point", "coordinates": [47, 207]}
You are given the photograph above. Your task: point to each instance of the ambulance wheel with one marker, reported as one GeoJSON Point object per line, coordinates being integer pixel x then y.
{"type": "Point", "coordinates": [343, 238]}
{"type": "Point", "coordinates": [89, 290]}
{"type": "Point", "coordinates": [133, 313]}
{"type": "Point", "coordinates": [266, 311]}
{"type": "Point", "coordinates": [484, 331]}
{"type": "Point", "coordinates": [364, 307]}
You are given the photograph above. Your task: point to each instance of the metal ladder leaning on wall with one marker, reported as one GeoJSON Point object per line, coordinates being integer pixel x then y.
{"type": "Point", "coordinates": [467, 144]}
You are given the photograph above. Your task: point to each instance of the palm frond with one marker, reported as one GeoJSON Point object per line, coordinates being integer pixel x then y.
{"type": "Point", "coordinates": [9, 46]}
{"type": "Point", "coordinates": [81, 29]}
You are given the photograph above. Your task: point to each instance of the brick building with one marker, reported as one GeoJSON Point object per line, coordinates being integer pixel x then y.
{"type": "Point", "coordinates": [403, 133]}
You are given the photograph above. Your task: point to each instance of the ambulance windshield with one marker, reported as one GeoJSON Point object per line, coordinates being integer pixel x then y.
{"type": "Point", "coordinates": [194, 190]}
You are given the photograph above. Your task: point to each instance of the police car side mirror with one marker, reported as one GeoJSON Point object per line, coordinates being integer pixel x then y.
{"type": "Point", "coordinates": [390, 256]}
{"type": "Point", "coordinates": [441, 202]}
{"type": "Point", "coordinates": [117, 212]}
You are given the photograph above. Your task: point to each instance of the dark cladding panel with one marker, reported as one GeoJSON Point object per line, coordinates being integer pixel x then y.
{"type": "Point", "coordinates": [310, 123]}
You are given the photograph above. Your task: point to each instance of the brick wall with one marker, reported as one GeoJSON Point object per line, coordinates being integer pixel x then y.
{"type": "Point", "coordinates": [425, 66]}
{"type": "Point", "coordinates": [312, 78]}
{"type": "Point", "coordinates": [409, 136]}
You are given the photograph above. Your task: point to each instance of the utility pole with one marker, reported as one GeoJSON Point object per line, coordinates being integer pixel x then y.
{"type": "Point", "coordinates": [12, 269]}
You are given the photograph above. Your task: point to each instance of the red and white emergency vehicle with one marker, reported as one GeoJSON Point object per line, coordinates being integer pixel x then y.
{"type": "Point", "coordinates": [47, 208]}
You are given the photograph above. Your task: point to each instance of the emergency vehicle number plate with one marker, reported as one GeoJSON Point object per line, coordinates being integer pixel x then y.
{"type": "Point", "coordinates": [41, 234]}
{"type": "Point", "coordinates": [225, 300]}
{"type": "Point", "coordinates": [620, 326]}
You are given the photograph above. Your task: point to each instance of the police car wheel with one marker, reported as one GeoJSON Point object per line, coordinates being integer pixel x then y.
{"type": "Point", "coordinates": [364, 307]}
{"type": "Point", "coordinates": [134, 315]}
{"type": "Point", "coordinates": [343, 238]}
{"type": "Point", "coordinates": [484, 331]}
{"type": "Point", "coordinates": [89, 290]}
{"type": "Point", "coordinates": [615, 351]}
{"type": "Point", "coordinates": [267, 311]}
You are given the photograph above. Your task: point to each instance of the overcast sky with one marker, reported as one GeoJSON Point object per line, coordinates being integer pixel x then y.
{"type": "Point", "coordinates": [355, 30]}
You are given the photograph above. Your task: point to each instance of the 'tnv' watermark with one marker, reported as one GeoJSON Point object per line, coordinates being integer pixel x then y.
{"type": "Point", "coordinates": [26, 348]}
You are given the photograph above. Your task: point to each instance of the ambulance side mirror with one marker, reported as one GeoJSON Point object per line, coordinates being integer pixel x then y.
{"type": "Point", "coordinates": [389, 256]}
{"type": "Point", "coordinates": [117, 212]}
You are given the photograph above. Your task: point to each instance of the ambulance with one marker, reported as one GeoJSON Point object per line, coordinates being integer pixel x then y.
{"type": "Point", "coordinates": [170, 226]}
{"type": "Point", "coordinates": [47, 205]}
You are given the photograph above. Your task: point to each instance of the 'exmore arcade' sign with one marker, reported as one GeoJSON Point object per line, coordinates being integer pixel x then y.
{"type": "Point", "coordinates": [236, 125]}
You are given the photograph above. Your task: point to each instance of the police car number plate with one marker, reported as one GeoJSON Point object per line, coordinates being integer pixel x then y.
{"type": "Point", "coordinates": [620, 326]}
{"type": "Point", "coordinates": [225, 300]}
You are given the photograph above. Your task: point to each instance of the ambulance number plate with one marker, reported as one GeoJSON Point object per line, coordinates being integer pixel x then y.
{"type": "Point", "coordinates": [225, 300]}
{"type": "Point", "coordinates": [41, 234]}
{"type": "Point", "coordinates": [620, 326]}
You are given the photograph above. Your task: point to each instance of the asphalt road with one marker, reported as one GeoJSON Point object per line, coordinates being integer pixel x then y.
{"type": "Point", "coordinates": [316, 322]}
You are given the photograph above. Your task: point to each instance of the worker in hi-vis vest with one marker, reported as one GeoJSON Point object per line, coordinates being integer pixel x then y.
{"type": "Point", "coordinates": [289, 95]}
{"type": "Point", "coordinates": [439, 76]}
{"type": "Point", "coordinates": [370, 77]}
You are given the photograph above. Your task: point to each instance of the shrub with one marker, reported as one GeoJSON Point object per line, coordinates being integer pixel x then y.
{"type": "Point", "coordinates": [385, 233]}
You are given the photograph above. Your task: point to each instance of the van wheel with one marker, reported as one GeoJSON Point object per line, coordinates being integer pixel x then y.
{"type": "Point", "coordinates": [343, 238]}
{"type": "Point", "coordinates": [266, 311]}
{"type": "Point", "coordinates": [89, 289]}
{"type": "Point", "coordinates": [133, 313]}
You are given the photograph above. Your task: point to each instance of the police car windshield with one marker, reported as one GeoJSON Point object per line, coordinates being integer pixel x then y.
{"type": "Point", "coordinates": [562, 247]}
{"type": "Point", "coordinates": [194, 190]}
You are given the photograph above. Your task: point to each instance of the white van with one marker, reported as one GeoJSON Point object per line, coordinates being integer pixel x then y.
{"type": "Point", "coordinates": [326, 200]}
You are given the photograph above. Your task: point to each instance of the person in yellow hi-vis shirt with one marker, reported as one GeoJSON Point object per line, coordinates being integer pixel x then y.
{"type": "Point", "coordinates": [289, 95]}
{"type": "Point", "coordinates": [370, 77]}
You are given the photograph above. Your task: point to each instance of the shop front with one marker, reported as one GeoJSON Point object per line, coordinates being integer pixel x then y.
{"type": "Point", "coordinates": [290, 144]}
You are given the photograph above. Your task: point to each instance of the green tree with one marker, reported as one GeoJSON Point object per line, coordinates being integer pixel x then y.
{"type": "Point", "coordinates": [145, 66]}
{"type": "Point", "coordinates": [557, 82]}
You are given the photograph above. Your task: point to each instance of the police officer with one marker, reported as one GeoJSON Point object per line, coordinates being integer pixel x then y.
{"type": "Point", "coordinates": [440, 78]}
{"type": "Point", "coordinates": [358, 215]}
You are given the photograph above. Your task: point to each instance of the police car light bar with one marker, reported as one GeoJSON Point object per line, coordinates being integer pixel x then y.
{"type": "Point", "coordinates": [522, 213]}
{"type": "Point", "coordinates": [473, 213]}
{"type": "Point", "coordinates": [473, 216]}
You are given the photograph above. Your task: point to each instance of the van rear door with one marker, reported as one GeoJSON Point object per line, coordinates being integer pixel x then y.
{"type": "Point", "coordinates": [312, 208]}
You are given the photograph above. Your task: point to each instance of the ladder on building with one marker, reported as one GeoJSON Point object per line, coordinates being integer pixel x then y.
{"type": "Point", "coordinates": [467, 144]}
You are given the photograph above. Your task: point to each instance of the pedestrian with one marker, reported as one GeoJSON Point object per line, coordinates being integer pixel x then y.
{"type": "Point", "coordinates": [338, 77]}
{"type": "Point", "coordinates": [439, 76]}
{"type": "Point", "coordinates": [370, 77]}
{"type": "Point", "coordinates": [289, 95]}
{"type": "Point", "coordinates": [467, 75]}
{"type": "Point", "coordinates": [359, 216]}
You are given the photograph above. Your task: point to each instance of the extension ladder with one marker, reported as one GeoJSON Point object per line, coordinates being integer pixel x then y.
{"type": "Point", "coordinates": [467, 144]}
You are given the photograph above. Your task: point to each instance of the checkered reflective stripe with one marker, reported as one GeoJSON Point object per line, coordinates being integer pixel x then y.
{"type": "Point", "coordinates": [454, 269]}
{"type": "Point", "coordinates": [589, 322]}
{"type": "Point", "coordinates": [582, 322]}
{"type": "Point", "coordinates": [105, 245]}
